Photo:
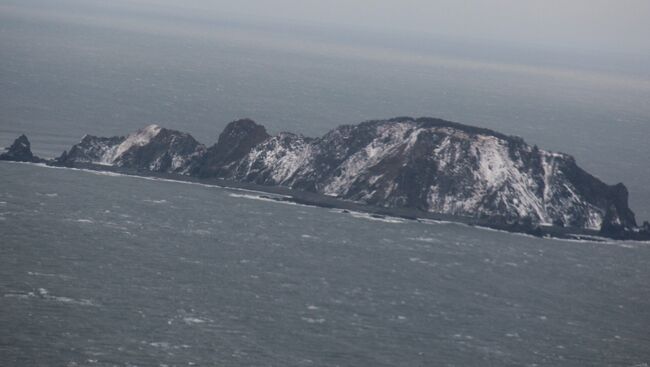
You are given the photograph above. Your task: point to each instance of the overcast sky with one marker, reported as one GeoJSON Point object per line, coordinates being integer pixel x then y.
{"type": "Point", "coordinates": [591, 25]}
{"type": "Point", "coordinates": [613, 25]}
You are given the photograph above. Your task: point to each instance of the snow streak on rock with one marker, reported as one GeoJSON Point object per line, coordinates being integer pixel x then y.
{"type": "Point", "coordinates": [427, 164]}
{"type": "Point", "coordinates": [139, 138]}
{"type": "Point", "coordinates": [152, 148]}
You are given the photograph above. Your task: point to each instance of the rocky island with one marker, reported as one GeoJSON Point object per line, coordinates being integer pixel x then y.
{"type": "Point", "coordinates": [416, 168]}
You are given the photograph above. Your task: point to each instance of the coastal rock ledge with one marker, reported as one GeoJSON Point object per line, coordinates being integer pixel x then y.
{"type": "Point", "coordinates": [425, 164]}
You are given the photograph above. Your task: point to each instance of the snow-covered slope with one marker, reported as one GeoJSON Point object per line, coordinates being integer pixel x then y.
{"type": "Point", "coordinates": [276, 161]}
{"type": "Point", "coordinates": [437, 166]}
{"type": "Point", "coordinates": [151, 148]}
{"type": "Point", "coordinates": [427, 164]}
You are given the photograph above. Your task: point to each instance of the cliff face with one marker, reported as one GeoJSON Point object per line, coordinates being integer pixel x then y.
{"type": "Point", "coordinates": [427, 164]}
{"type": "Point", "coordinates": [437, 166]}
{"type": "Point", "coordinates": [236, 140]}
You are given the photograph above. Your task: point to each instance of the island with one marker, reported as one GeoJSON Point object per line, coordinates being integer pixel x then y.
{"type": "Point", "coordinates": [415, 168]}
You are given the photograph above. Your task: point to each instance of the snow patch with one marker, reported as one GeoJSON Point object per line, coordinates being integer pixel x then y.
{"type": "Point", "coordinates": [139, 138]}
{"type": "Point", "coordinates": [390, 139]}
{"type": "Point", "coordinates": [280, 157]}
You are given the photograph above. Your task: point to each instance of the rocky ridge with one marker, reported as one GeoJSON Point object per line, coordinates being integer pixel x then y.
{"type": "Point", "coordinates": [425, 164]}
{"type": "Point", "coordinates": [152, 148]}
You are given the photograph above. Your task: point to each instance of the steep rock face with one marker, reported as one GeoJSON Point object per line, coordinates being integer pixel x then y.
{"type": "Point", "coordinates": [92, 149]}
{"type": "Point", "coordinates": [437, 166]}
{"type": "Point", "coordinates": [427, 164]}
{"type": "Point", "coordinates": [20, 151]}
{"type": "Point", "coordinates": [236, 140]}
{"type": "Point", "coordinates": [151, 148]}
{"type": "Point", "coordinates": [275, 161]}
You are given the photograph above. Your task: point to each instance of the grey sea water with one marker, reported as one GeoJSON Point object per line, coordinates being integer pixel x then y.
{"type": "Point", "coordinates": [106, 270]}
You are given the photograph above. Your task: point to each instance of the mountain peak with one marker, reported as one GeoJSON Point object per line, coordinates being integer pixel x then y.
{"type": "Point", "coordinates": [236, 140]}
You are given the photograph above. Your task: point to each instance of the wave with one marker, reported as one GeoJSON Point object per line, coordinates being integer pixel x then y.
{"type": "Point", "coordinates": [44, 294]}
{"type": "Point", "coordinates": [369, 216]}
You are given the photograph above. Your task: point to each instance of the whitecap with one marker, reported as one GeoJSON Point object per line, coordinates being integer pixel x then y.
{"type": "Point", "coordinates": [44, 294]}
{"type": "Point", "coordinates": [255, 197]}
{"type": "Point", "coordinates": [368, 216]}
{"type": "Point", "coordinates": [434, 221]}
{"type": "Point", "coordinates": [193, 320]}
{"type": "Point", "coordinates": [37, 274]}
{"type": "Point", "coordinates": [270, 198]}
{"type": "Point", "coordinates": [161, 345]}
{"type": "Point", "coordinates": [104, 173]}
{"type": "Point", "coordinates": [201, 232]}
{"type": "Point", "coordinates": [80, 302]}
{"type": "Point", "coordinates": [425, 239]}
{"type": "Point", "coordinates": [256, 192]}
{"type": "Point", "coordinates": [313, 321]}
{"type": "Point", "coordinates": [20, 295]}
{"type": "Point", "coordinates": [162, 201]}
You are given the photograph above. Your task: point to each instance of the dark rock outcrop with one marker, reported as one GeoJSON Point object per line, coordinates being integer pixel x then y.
{"type": "Point", "coordinates": [20, 151]}
{"type": "Point", "coordinates": [235, 142]}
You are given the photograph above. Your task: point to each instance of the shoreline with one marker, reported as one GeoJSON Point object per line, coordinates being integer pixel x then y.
{"type": "Point", "coordinates": [288, 195]}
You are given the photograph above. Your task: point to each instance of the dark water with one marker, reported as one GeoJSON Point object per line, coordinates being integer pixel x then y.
{"type": "Point", "coordinates": [99, 270]}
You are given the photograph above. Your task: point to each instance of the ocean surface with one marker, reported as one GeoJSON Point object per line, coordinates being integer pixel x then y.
{"type": "Point", "coordinates": [108, 270]}
{"type": "Point", "coordinates": [100, 269]}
